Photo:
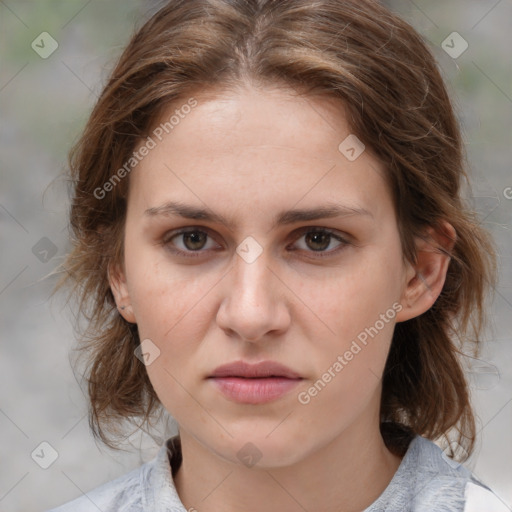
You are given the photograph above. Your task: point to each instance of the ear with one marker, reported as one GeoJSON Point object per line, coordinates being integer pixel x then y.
{"type": "Point", "coordinates": [118, 285]}
{"type": "Point", "coordinates": [425, 279]}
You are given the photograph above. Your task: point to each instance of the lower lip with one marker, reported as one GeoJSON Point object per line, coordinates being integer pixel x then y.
{"type": "Point", "coordinates": [254, 391]}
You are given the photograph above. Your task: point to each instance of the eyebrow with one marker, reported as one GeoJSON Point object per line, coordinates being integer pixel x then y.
{"type": "Point", "coordinates": [329, 210]}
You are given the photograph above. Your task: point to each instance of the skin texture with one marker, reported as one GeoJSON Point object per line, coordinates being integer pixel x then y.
{"type": "Point", "coordinates": [248, 155]}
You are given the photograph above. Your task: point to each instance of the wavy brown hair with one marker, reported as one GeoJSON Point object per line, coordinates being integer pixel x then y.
{"type": "Point", "coordinates": [384, 74]}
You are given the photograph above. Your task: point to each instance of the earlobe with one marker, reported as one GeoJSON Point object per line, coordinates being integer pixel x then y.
{"type": "Point", "coordinates": [117, 281]}
{"type": "Point", "coordinates": [427, 277]}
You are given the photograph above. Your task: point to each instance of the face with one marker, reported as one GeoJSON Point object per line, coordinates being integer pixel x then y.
{"type": "Point", "coordinates": [318, 294]}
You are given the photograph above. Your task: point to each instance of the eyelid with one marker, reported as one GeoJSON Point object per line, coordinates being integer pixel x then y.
{"type": "Point", "coordinates": [341, 237]}
{"type": "Point", "coordinates": [166, 239]}
{"type": "Point", "coordinates": [344, 239]}
{"type": "Point", "coordinates": [336, 233]}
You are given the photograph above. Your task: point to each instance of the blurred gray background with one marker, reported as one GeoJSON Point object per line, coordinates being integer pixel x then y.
{"type": "Point", "coordinates": [44, 104]}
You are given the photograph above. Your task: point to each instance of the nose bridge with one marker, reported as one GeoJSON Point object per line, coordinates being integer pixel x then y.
{"type": "Point", "coordinates": [251, 285]}
{"type": "Point", "coordinates": [250, 305]}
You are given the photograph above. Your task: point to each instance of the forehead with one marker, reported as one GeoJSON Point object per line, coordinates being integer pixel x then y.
{"type": "Point", "coordinates": [259, 147]}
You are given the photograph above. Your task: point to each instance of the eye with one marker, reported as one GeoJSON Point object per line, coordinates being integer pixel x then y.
{"type": "Point", "coordinates": [192, 241]}
{"type": "Point", "coordinates": [319, 239]}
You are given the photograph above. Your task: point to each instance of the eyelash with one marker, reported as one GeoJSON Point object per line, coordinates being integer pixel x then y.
{"type": "Point", "coordinates": [166, 242]}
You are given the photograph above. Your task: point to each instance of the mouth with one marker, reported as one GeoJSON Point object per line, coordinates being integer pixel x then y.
{"type": "Point", "coordinates": [265, 369]}
{"type": "Point", "coordinates": [259, 383]}
{"type": "Point", "coordinates": [254, 390]}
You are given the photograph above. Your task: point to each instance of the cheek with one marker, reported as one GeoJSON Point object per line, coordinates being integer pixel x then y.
{"type": "Point", "coordinates": [355, 312]}
{"type": "Point", "coordinates": [349, 363]}
{"type": "Point", "coordinates": [170, 308]}
{"type": "Point", "coordinates": [354, 295]}
{"type": "Point", "coordinates": [170, 312]}
{"type": "Point", "coordinates": [163, 295]}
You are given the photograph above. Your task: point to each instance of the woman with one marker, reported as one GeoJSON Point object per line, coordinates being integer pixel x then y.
{"type": "Point", "coordinates": [270, 244]}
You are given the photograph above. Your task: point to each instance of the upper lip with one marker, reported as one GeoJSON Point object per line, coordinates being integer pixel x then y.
{"type": "Point", "coordinates": [247, 370]}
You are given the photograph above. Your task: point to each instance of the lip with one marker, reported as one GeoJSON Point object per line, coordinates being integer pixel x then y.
{"type": "Point", "coordinates": [254, 390]}
{"type": "Point", "coordinates": [259, 383]}
{"type": "Point", "coordinates": [261, 369]}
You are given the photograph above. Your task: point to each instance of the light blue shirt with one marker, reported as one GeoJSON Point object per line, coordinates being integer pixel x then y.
{"type": "Point", "coordinates": [425, 481]}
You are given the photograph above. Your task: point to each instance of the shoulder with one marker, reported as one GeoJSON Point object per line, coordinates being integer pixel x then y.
{"type": "Point", "coordinates": [149, 487]}
{"type": "Point", "coordinates": [427, 480]}
{"type": "Point", "coordinates": [479, 497]}
{"type": "Point", "coordinates": [122, 494]}
{"type": "Point", "coordinates": [444, 484]}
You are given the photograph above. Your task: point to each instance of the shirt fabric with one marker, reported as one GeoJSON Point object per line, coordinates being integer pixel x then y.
{"type": "Point", "coordinates": [426, 481]}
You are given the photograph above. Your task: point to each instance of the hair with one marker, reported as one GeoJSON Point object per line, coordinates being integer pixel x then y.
{"type": "Point", "coordinates": [386, 78]}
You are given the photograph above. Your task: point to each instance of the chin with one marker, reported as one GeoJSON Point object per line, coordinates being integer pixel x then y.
{"type": "Point", "coordinates": [259, 449]}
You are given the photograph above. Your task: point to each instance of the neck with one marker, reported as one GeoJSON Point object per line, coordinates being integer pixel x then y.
{"type": "Point", "coordinates": [345, 475]}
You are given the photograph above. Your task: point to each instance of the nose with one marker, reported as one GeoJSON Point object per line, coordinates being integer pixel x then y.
{"type": "Point", "coordinates": [254, 304]}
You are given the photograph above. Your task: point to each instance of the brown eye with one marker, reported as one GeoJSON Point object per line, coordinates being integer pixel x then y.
{"type": "Point", "coordinates": [317, 240]}
{"type": "Point", "coordinates": [194, 240]}
{"type": "Point", "coordinates": [191, 242]}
